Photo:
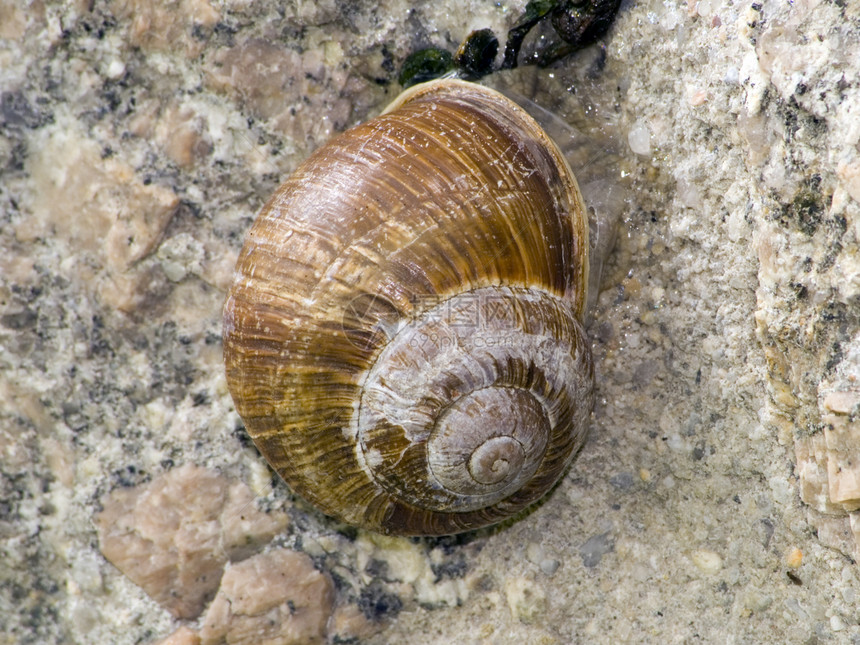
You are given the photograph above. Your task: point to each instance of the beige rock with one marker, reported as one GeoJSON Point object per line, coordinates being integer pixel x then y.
{"type": "Point", "coordinates": [16, 19]}
{"type": "Point", "coordinates": [132, 290]}
{"type": "Point", "coordinates": [181, 132]}
{"type": "Point", "coordinates": [828, 462]}
{"type": "Point", "coordinates": [275, 598]}
{"type": "Point", "coordinates": [104, 217]}
{"type": "Point", "coordinates": [754, 601]}
{"type": "Point", "coordinates": [94, 204]}
{"type": "Point", "coordinates": [797, 338]}
{"type": "Point", "coordinates": [835, 532]}
{"type": "Point", "coordinates": [841, 402]}
{"type": "Point", "coordinates": [849, 173]}
{"type": "Point", "coordinates": [707, 561]}
{"type": "Point", "coordinates": [141, 218]}
{"type": "Point", "coordinates": [811, 455]}
{"type": "Point", "coordinates": [526, 599]}
{"type": "Point", "coordinates": [838, 400]}
{"type": "Point", "coordinates": [854, 527]}
{"type": "Point", "coordinates": [182, 636]}
{"type": "Point", "coordinates": [243, 527]}
{"type": "Point", "coordinates": [60, 459]}
{"type": "Point", "coordinates": [217, 270]}
{"type": "Point", "coordinates": [348, 623]}
{"type": "Point", "coordinates": [257, 71]}
{"type": "Point", "coordinates": [842, 437]}
{"type": "Point", "coordinates": [283, 86]}
{"type": "Point", "coordinates": [174, 535]}
{"type": "Point", "coordinates": [163, 26]}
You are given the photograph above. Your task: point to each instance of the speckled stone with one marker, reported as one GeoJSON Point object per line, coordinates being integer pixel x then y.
{"type": "Point", "coordinates": [141, 137]}
{"type": "Point", "coordinates": [182, 636]}
{"type": "Point", "coordinates": [807, 312]}
{"type": "Point", "coordinates": [274, 598]}
{"type": "Point", "coordinates": [173, 535]}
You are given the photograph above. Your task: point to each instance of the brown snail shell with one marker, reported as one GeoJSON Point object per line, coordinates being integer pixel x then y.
{"type": "Point", "coordinates": [403, 337]}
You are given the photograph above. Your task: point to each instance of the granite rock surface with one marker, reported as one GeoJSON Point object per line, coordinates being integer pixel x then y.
{"type": "Point", "coordinates": [717, 498]}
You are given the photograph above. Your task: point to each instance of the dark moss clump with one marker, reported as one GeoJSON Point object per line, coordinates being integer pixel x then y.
{"type": "Point", "coordinates": [807, 207]}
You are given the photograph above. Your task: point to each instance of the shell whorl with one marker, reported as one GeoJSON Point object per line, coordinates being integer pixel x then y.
{"type": "Point", "coordinates": [403, 337]}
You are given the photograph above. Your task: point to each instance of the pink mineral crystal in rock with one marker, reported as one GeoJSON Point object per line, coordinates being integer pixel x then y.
{"type": "Point", "coordinates": [182, 636]}
{"type": "Point", "coordinates": [275, 598]}
{"type": "Point", "coordinates": [173, 535]}
{"type": "Point", "coordinates": [348, 624]}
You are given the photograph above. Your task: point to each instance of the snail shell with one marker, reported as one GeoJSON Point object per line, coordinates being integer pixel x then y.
{"type": "Point", "coordinates": [403, 337]}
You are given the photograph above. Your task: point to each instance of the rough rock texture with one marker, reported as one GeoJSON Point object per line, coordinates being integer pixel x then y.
{"type": "Point", "coordinates": [275, 598]}
{"type": "Point", "coordinates": [807, 238]}
{"type": "Point", "coordinates": [173, 535]}
{"type": "Point", "coordinates": [182, 636]}
{"type": "Point", "coordinates": [716, 499]}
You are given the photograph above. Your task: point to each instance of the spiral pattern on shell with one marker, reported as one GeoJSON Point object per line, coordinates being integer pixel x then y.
{"type": "Point", "coordinates": [403, 338]}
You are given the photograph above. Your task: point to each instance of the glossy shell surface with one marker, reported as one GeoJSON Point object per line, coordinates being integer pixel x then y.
{"type": "Point", "coordinates": [403, 337]}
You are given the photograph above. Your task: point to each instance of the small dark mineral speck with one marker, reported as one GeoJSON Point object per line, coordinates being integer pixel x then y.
{"type": "Point", "coordinates": [200, 398]}
{"type": "Point", "coordinates": [453, 569]}
{"type": "Point", "coordinates": [376, 603]}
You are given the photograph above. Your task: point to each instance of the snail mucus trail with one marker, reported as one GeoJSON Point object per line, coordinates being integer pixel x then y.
{"type": "Point", "coordinates": [403, 337]}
